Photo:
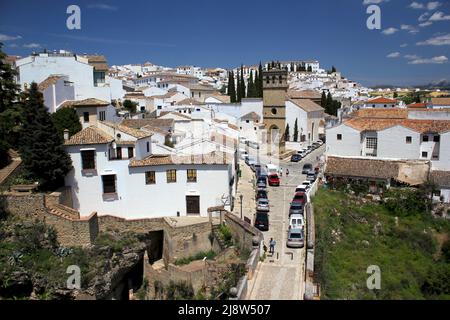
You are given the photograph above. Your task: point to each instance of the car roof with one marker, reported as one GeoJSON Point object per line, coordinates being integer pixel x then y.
{"type": "Point", "coordinates": [305, 182]}
{"type": "Point", "coordinates": [296, 216]}
{"type": "Point", "coordinates": [296, 230]}
{"type": "Point", "coordinates": [300, 186]}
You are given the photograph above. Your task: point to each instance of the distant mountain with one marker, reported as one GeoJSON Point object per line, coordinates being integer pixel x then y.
{"type": "Point", "coordinates": [443, 84]}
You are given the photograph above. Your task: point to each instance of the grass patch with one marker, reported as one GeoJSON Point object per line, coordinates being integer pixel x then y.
{"type": "Point", "coordinates": [199, 256]}
{"type": "Point", "coordinates": [352, 235]}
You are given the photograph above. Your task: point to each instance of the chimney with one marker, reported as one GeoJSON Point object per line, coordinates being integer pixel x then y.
{"type": "Point", "coordinates": [66, 134]}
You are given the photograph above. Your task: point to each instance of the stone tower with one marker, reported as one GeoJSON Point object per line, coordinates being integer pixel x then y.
{"type": "Point", "coordinates": [274, 102]}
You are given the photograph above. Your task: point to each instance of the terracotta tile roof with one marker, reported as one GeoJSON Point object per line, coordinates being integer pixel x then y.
{"type": "Point", "coordinates": [421, 126]}
{"type": "Point", "coordinates": [440, 178]}
{"type": "Point", "coordinates": [304, 94]}
{"type": "Point", "coordinates": [164, 124]}
{"type": "Point", "coordinates": [223, 140]}
{"type": "Point", "coordinates": [199, 87]}
{"type": "Point", "coordinates": [251, 115]}
{"type": "Point", "coordinates": [417, 105]}
{"type": "Point", "coordinates": [51, 80]}
{"type": "Point", "coordinates": [98, 62]}
{"type": "Point", "coordinates": [165, 113]}
{"type": "Point", "coordinates": [394, 113]}
{"type": "Point", "coordinates": [165, 96]}
{"type": "Point", "coordinates": [232, 126]}
{"type": "Point", "coordinates": [91, 102]}
{"type": "Point", "coordinates": [158, 160]}
{"type": "Point", "coordinates": [136, 133]}
{"type": "Point", "coordinates": [155, 130]}
{"type": "Point", "coordinates": [381, 100]}
{"type": "Point", "coordinates": [89, 135]}
{"type": "Point", "coordinates": [189, 101]}
{"type": "Point", "coordinates": [440, 101]}
{"type": "Point", "coordinates": [223, 98]}
{"type": "Point", "coordinates": [307, 105]}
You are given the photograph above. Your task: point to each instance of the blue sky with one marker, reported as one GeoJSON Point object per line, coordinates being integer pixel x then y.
{"type": "Point", "coordinates": [227, 33]}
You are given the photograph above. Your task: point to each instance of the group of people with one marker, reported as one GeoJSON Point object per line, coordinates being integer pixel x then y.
{"type": "Point", "coordinates": [281, 172]}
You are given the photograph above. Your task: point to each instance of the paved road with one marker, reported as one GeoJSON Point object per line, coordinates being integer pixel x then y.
{"type": "Point", "coordinates": [281, 276]}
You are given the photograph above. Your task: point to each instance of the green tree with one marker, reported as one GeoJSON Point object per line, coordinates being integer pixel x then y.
{"type": "Point", "coordinates": [238, 88]}
{"type": "Point", "coordinates": [295, 131]}
{"type": "Point", "coordinates": [242, 82]}
{"type": "Point", "coordinates": [333, 69]}
{"type": "Point", "coordinates": [66, 118]}
{"type": "Point", "coordinates": [130, 105]}
{"type": "Point", "coordinates": [250, 86]}
{"type": "Point", "coordinates": [323, 101]}
{"type": "Point", "coordinates": [309, 69]}
{"type": "Point", "coordinates": [10, 109]}
{"type": "Point", "coordinates": [231, 87]}
{"type": "Point", "coordinates": [329, 105]}
{"type": "Point", "coordinates": [260, 80]}
{"type": "Point", "coordinates": [287, 133]}
{"type": "Point", "coordinates": [41, 148]}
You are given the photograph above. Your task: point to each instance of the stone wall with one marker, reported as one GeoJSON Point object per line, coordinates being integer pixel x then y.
{"type": "Point", "coordinates": [243, 233]}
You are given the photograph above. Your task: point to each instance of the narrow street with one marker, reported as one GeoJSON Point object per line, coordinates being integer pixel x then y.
{"type": "Point", "coordinates": [281, 276]}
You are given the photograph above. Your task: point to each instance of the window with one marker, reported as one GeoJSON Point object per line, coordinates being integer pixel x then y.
{"type": "Point", "coordinates": [171, 176]}
{"type": "Point", "coordinates": [88, 159]}
{"type": "Point", "coordinates": [119, 153]}
{"type": "Point", "coordinates": [425, 138]}
{"type": "Point", "coordinates": [424, 154]}
{"type": "Point", "coordinates": [109, 183]}
{"type": "Point", "coordinates": [150, 177]}
{"type": "Point", "coordinates": [102, 115]}
{"type": "Point", "coordinates": [191, 175]}
{"type": "Point", "coordinates": [371, 143]}
{"type": "Point", "coordinates": [148, 146]}
{"type": "Point", "coordinates": [436, 138]}
{"type": "Point", "coordinates": [247, 121]}
{"type": "Point", "coordinates": [274, 110]}
{"type": "Point", "coordinates": [408, 140]}
{"type": "Point", "coordinates": [339, 136]}
{"type": "Point", "coordinates": [130, 152]}
{"type": "Point", "coordinates": [86, 116]}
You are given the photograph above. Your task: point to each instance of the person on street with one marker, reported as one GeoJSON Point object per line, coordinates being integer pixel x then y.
{"type": "Point", "coordinates": [272, 244]}
{"type": "Point", "coordinates": [281, 172]}
{"type": "Point", "coordinates": [287, 172]}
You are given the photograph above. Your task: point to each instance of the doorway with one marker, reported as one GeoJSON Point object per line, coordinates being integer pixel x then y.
{"type": "Point", "coordinates": [193, 204]}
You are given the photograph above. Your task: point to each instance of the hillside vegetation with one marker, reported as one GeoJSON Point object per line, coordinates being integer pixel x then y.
{"type": "Point", "coordinates": [411, 248]}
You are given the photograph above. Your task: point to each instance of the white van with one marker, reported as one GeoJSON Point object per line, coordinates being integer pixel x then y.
{"type": "Point", "coordinates": [272, 169]}
{"type": "Point", "coordinates": [296, 221]}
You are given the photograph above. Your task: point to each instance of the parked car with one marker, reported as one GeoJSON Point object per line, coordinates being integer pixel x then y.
{"type": "Point", "coordinates": [257, 167]}
{"type": "Point", "coordinates": [296, 208]}
{"type": "Point", "coordinates": [274, 180]}
{"type": "Point", "coordinates": [316, 145]}
{"type": "Point", "coordinates": [311, 176]}
{"type": "Point", "coordinates": [295, 238]}
{"type": "Point", "coordinates": [296, 221]}
{"type": "Point", "coordinates": [262, 221]}
{"type": "Point", "coordinates": [261, 194]}
{"type": "Point", "coordinates": [319, 142]}
{"type": "Point", "coordinates": [307, 167]}
{"type": "Point", "coordinates": [296, 158]}
{"type": "Point", "coordinates": [307, 184]}
{"type": "Point", "coordinates": [261, 173]}
{"type": "Point", "coordinates": [244, 154]}
{"type": "Point", "coordinates": [263, 205]}
{"type": "Point", "coordinates": [301, 188]}
{"type": "Point", "coordinates": [261, 179]}
{"type": "Point", "coordinates": [261, 184]}
{"type": "Point", "coordinates": [303, 153]}
{"type": "Point", "coordinates": [299, 197]}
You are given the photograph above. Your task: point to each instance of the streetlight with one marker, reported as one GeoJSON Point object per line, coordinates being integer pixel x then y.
{"type": "Point", "coordinates": [241, 196]}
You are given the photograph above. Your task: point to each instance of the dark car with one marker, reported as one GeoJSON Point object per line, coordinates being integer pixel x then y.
{"type": "Point", "coordinates": [274, 180]}
{"type": "Point", "coordinates": [261, 194]}
{"type": "Point", "coordinates": [300, 197]}
{"type": "Point", "coordinates": [296, 157]}
{"type": "Point", "coordinates": [296, 208]}
{"type": "Point", "coordinates": [311, 176]}
{"type": "Point", "coordinates": [307, 167]}
{"type": "Point", "coordinates": [262, 221]}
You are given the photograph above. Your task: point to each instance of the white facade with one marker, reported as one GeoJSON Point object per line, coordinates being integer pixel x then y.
{"type": "Point", "coordinates": [55, 94]}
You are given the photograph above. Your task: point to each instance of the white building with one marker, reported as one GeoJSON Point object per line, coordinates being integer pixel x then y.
{"type": "Point", "coordinates": [115, 172]}
{"type": "Point", "coordinates": [55, 91]}
{"type": "Point", "coordinates": [87, 73]}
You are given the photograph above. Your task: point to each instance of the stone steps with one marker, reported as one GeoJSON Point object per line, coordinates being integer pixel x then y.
{"type": "Point", "coordinates": [9, 169]}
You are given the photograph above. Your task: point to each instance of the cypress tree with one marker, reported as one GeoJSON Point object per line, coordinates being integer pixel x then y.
{"type": "Point", "coordinates": [323, 101]}
{"type": "Point", "coordinates": [250, 86]}
{"type": "Point", "coordinates": [260, 80]}
{"type": "Point", "coordinates": [243, 91]}
{"type": "Point", "coordinates": [231, 87]}
{"type": "Point", "coordinates": [238, 88]}
{"type": "Point", "coordinates": [329, 107]}
{"type": "Point", "coordinates": [295, 131]}
{"type": "Point", "coordinates": [286, 133]}
{"type": "Point", "coordinates": [41, 148]}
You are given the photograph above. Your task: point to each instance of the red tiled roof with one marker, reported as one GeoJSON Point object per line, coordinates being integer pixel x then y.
{"type": "Point", "coordinates": [381, 100]}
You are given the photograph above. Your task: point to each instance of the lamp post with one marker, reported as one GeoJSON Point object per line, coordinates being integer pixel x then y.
{"type": "Point", "coordinates": [241, 197]}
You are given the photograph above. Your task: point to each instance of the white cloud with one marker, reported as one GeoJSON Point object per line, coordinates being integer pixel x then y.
{"type": "Point", "coordinates": [5, 37]}
{"type": "Point", "coordinates": [411, 56]}
{"type": "Point", "coordinates": [433, 5]}
{"type": "Point", "coordinates": [393, 55]}
{"type": "Point", "coordinates": [439, 16]}
{"type": "Point", "coordinates": [32, 45]}
{"type": "Point", "coordinates": [434, 60]}
{"type": "Point", "coordinates": [389, 31]}
{"type": "Point", "coordinates": [102, 6]}
{"type": "Point", "coordinates": [367, 2]}
{"type": "Point", "coordinates": [404, 45]}
{"type": "Point", "coordinates": [416, 5]}
{"type": "Point", "coordinates": [424, 17]}
{"type": "Point", "coordinates": [436, 41]}
{"type": "Point", "coordinates": [425, 24]}
{"type": "Point", "coordinates": [409, 28]}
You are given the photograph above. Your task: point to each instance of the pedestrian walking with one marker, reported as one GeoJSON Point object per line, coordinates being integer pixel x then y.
{"type": "Point", "coordinates": [287, 172]}
{"type": "Point", "coordinates": [272, 244]}
{"type": "Point", "coordinates": [281, 172]}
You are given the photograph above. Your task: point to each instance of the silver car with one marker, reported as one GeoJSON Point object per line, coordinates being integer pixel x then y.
{"type": "Point", "coordinates": [295, 239]}
{"type": "Point", "coordinates": [262, 205]}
